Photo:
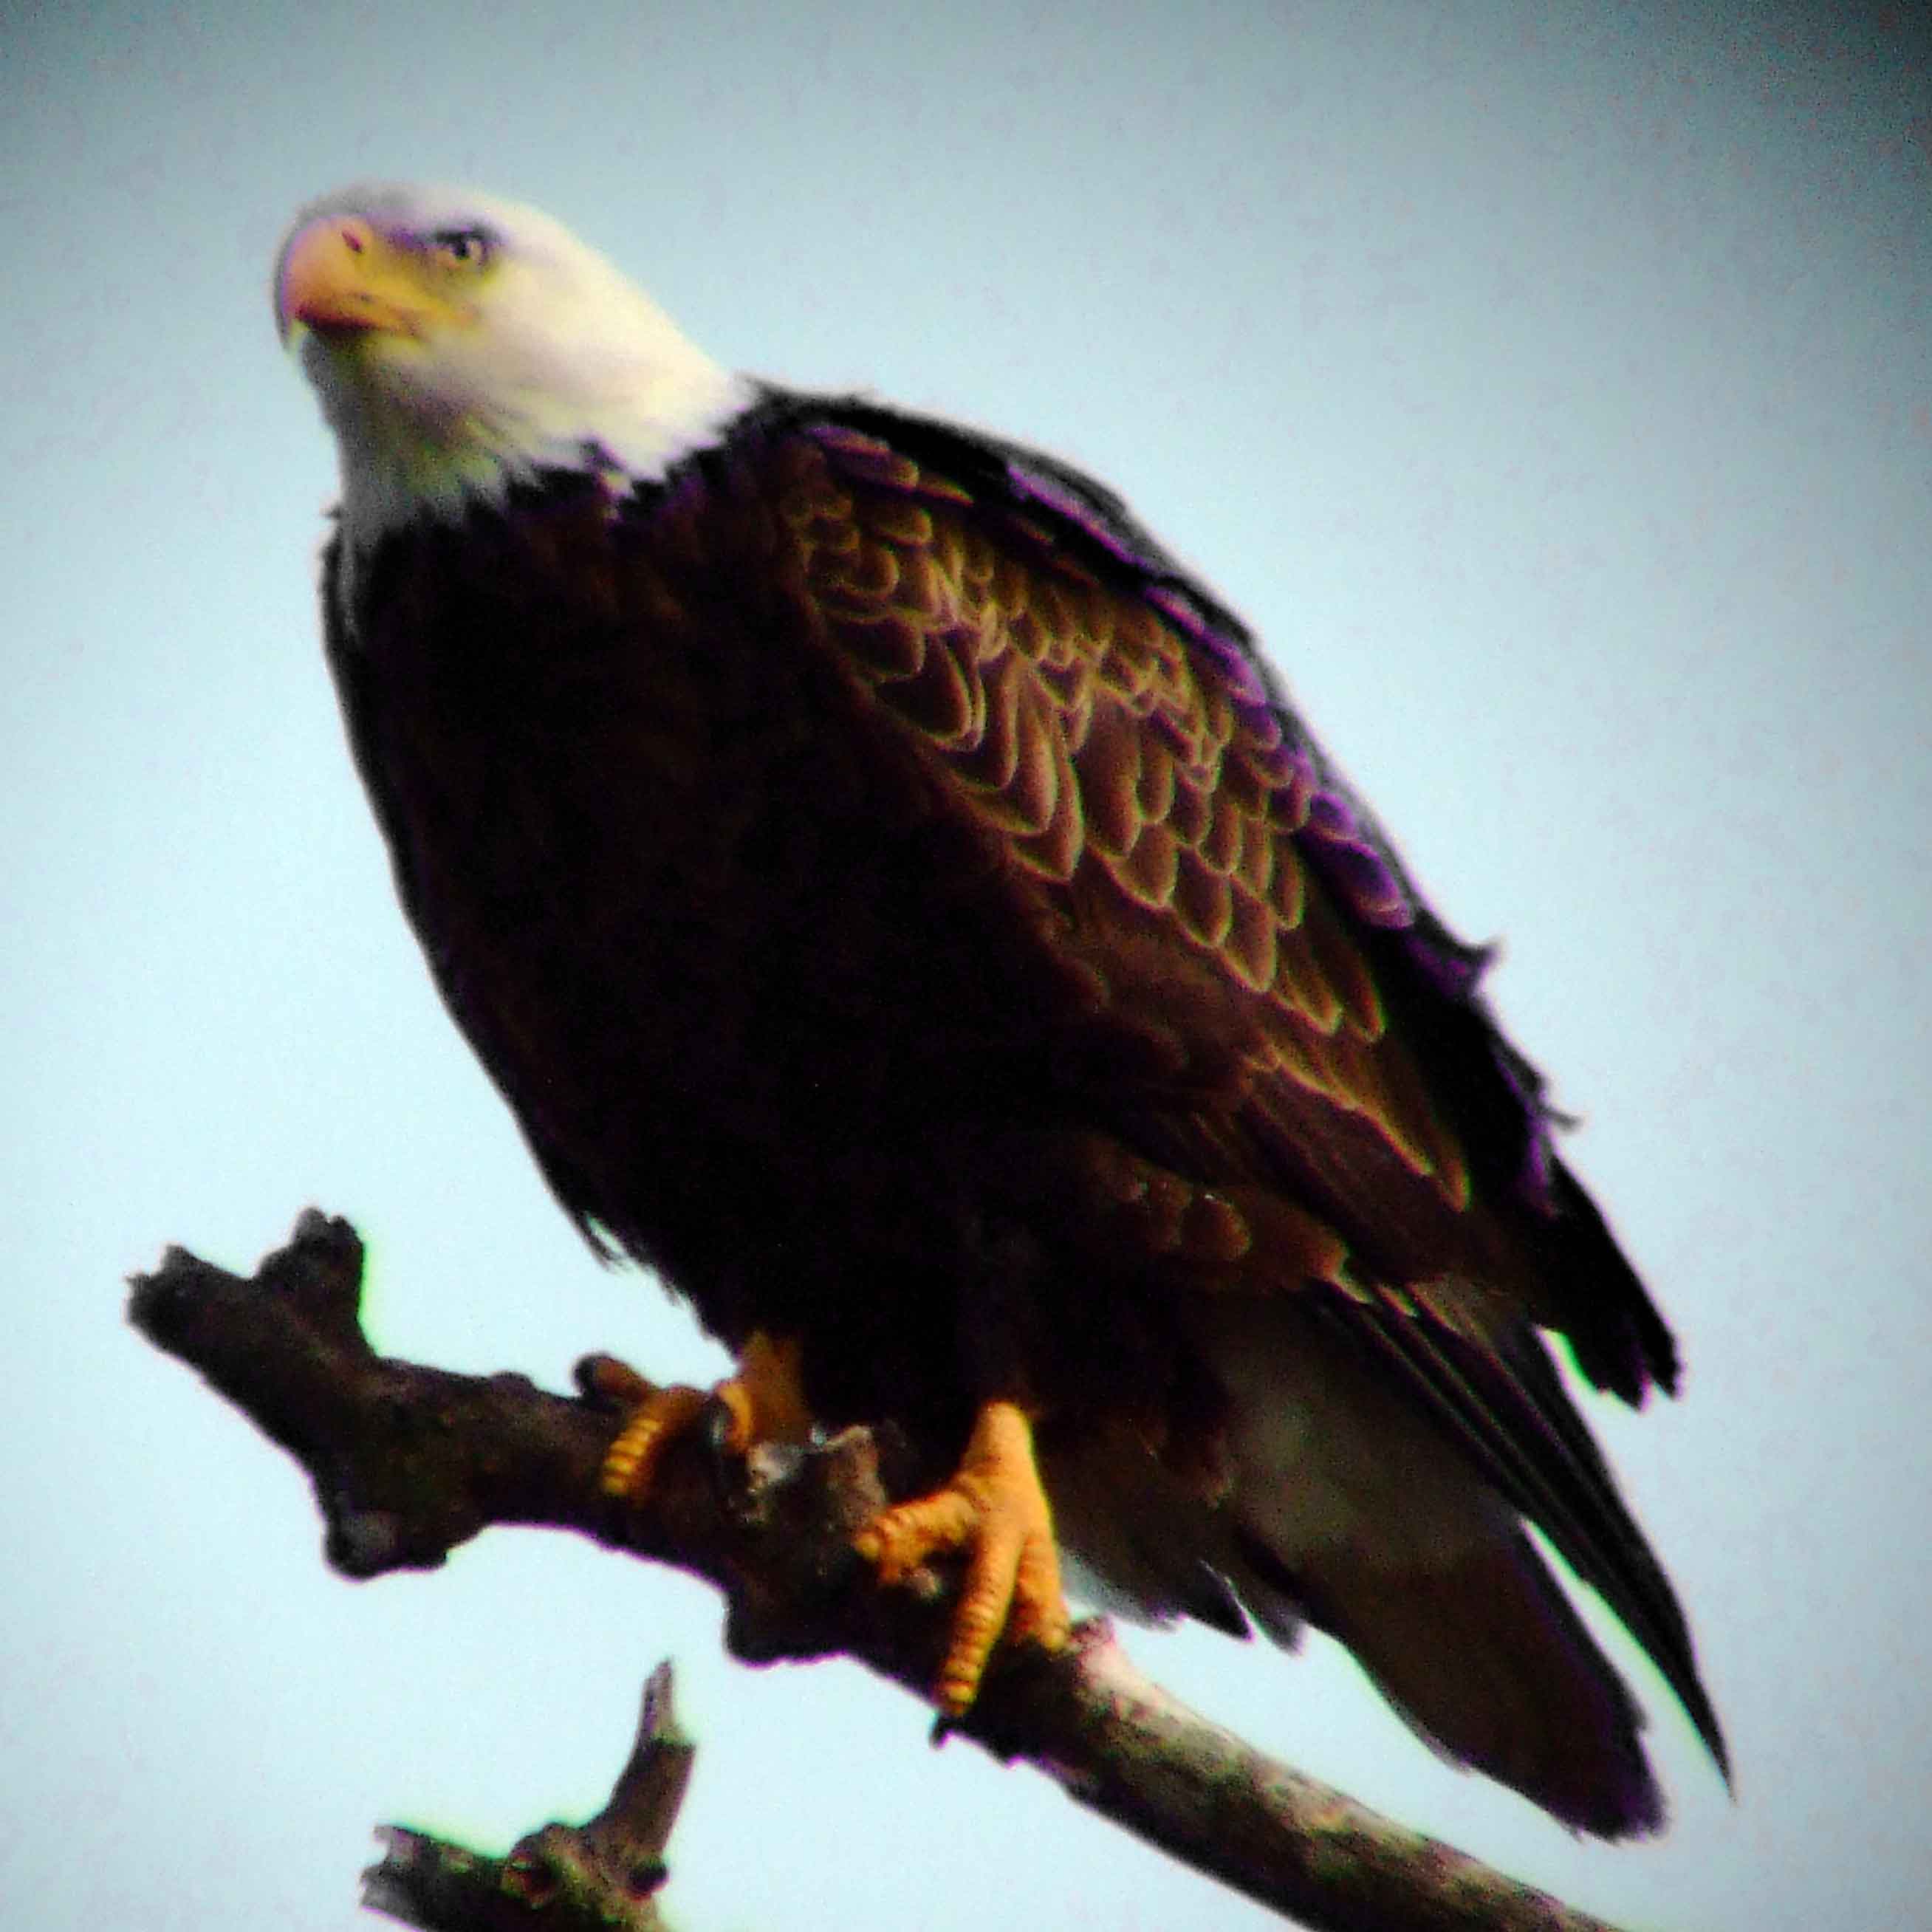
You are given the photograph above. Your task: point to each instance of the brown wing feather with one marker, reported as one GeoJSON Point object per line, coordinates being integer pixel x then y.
{"type": "Point", "coordinates": [1250, 1051]}
{"type": "Point", "coordinates": [1119, 775]}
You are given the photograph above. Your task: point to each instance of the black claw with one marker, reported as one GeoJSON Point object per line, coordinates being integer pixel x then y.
{"type": "Point", "coordinates": [606, 1383]}
{"type": "Point", "coordinates": [725, 1464]}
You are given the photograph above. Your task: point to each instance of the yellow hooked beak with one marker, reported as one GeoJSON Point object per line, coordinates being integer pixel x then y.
{"type": "Point", "coordinates": [341, 277]}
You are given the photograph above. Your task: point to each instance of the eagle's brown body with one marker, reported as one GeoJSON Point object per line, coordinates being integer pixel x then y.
{"type": "Point", "coordinates": [896, 907]}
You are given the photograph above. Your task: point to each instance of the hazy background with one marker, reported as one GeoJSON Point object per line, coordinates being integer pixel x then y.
{"type": "Point", "coordinates": [1553, 386]}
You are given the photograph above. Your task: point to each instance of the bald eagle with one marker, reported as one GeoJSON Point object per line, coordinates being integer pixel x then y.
{"type": "Point", "coordinates": [900, 907]}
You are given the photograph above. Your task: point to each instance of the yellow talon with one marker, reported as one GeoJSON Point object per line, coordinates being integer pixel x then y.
{"type": "Point", "coordinates": [995, 1509]}
{"type": "Point", "coordinates": [765, 1400]}
{"type": "Point", "coordinates": [632, 1460]}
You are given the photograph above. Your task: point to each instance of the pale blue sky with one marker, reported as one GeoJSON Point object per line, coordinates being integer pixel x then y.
{"type": "Point", "coordinates": [1553, 389]}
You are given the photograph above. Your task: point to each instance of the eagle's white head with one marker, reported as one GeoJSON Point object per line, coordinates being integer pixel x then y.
{"type": "Point", "coordinates": [460, 343]}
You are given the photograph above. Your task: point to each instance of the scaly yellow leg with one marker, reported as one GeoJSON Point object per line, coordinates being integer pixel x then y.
{"type": "Point", "coordinates": [765, 1399]}
{"type": "Point", "coordinates": [995, 1509]}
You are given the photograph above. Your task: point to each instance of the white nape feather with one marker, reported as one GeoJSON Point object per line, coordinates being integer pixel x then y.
{"type": "Point", "coordinates": [566, 364]}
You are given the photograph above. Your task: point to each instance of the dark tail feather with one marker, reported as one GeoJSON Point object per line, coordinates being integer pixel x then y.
{"type": "Point", "coordinates": [1485, 1657]}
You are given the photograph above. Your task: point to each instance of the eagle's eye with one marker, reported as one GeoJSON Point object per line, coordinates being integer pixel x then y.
{"type": "Point", "coordinates": [461, 247]}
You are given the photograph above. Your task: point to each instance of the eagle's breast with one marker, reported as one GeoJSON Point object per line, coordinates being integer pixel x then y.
{"type": "Point", "coordinates": [770, 1010]}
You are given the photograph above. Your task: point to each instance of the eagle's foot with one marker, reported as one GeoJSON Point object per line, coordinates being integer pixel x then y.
{"type": "Point", "coordinates": [995, 1510]}
{"type": "Point", "coordinates": [763, 1402]}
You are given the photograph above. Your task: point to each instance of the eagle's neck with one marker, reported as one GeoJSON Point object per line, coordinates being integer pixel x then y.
{"type": "Point", "coordinates": [402, 465]}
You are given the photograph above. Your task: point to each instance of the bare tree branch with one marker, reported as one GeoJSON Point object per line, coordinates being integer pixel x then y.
{"type": "Point", "coordinates": [408, 1462]}
{"type": "Point", "coordinates": [602, 1876]}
